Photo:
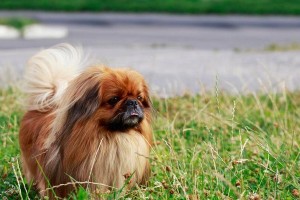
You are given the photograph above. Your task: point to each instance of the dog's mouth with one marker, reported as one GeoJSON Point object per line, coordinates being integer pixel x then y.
{"type": "Point", "coordinates": [133, 114]}
{"type": "Point", "coordinates": [124, 120]}
{"type": "Point", "coordinates": [133, 119]}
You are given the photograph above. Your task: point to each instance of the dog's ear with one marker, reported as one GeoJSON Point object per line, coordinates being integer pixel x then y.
{"type": "Point", "coordinates": [148, 102]}
{"type": "Point", "coordinates": [81, 110]}
{"type": "Point", "coordinates": [85, 106]}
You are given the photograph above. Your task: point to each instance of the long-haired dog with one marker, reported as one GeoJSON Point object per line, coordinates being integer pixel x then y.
{"type": "Point", "coordinates": [86, 127]}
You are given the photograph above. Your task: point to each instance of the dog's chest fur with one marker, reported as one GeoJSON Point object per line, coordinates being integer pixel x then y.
{"type": "Point", "coordinates": [123, 155]}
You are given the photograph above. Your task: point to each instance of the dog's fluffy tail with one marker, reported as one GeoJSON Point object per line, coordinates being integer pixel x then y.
{"type": "Point", "coordinates": [48, 73]}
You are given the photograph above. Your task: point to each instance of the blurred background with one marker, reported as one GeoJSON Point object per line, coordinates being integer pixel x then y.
{"type": "Point", "coordinates": [181, 46]}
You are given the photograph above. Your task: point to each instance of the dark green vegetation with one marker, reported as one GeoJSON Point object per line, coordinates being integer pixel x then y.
{"type": "Point", "coordinates": [18, 23]}
{"type": "Point", "coordinates": [281, 7]}
{"type": "Point", "coordinates": [213, 146]}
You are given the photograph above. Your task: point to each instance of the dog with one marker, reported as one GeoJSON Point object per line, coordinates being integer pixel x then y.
{"type": "Point", "coordinates": [89, 128]}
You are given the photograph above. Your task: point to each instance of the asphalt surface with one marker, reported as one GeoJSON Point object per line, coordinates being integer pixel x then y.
{"type": "Point", "coordinates": [204, 32]}
{"type": "Point", "coordinates": [175, 53]}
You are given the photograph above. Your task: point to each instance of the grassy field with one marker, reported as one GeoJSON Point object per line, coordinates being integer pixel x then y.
{"type": "Point", "coordinates": [213, 146]}
{"type": "Point", "coordinates": [291, 7]}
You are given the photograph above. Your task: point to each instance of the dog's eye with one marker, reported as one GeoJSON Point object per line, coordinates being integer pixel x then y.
{"type": "Point", "coordinates": [113, 100]}
{"type": "Point", "coordinates": [140, 98]}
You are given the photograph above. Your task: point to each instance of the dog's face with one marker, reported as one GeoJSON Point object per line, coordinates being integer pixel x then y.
{"type": "Point", "coordinates": [124, 101]}
{"type": "Point", "coordinates": [115, 99]}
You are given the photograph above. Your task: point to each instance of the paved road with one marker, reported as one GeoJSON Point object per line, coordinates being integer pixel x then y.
{"type": "Point", "coordinates": [176, 53]}
{"type": "Point", "coordinates": [204, 32]}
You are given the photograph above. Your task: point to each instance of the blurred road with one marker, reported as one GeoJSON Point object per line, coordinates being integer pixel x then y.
{"type": "Point", "coordinates": [176, 53]}
{"type": "Point", "coordinates": [204, 32]}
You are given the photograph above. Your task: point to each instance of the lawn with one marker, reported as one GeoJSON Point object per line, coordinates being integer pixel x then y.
{"type": "Point", "coordinates": [213, 146]}
{"type": "Point", "coordinates": [261, 7]}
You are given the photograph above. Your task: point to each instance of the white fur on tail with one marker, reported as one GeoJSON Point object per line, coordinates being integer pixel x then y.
{"type": "Point", "coordinates": [48, 73]}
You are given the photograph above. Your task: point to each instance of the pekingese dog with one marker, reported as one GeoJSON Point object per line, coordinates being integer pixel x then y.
{"type": "Point", "coordinates": [90, 128]}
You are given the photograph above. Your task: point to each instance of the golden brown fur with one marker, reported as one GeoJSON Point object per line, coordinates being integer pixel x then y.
{"type": "Point", "coordinates": [75, 139]}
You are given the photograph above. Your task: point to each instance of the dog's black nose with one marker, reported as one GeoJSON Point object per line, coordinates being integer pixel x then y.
{"type": "Point", "coordinates": [131, 102]}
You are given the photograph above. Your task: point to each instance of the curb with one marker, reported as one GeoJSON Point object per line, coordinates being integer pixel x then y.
{"type": "Point", "coordinates": [35, 31]}
{"type": "Point", "coordinates": [7, 32]}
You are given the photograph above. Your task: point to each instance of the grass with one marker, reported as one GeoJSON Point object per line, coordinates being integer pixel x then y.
{"type": "Point", "coordinates": [273, 47]}
{"type": "Point", "coordinates": [213, 146]}
{"type": "Point", "coordinates": [18, 23]}
{"type": "Point", "coordinates": [263, 7]}
{"type": "Point", "coordinates": [287, 47]}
